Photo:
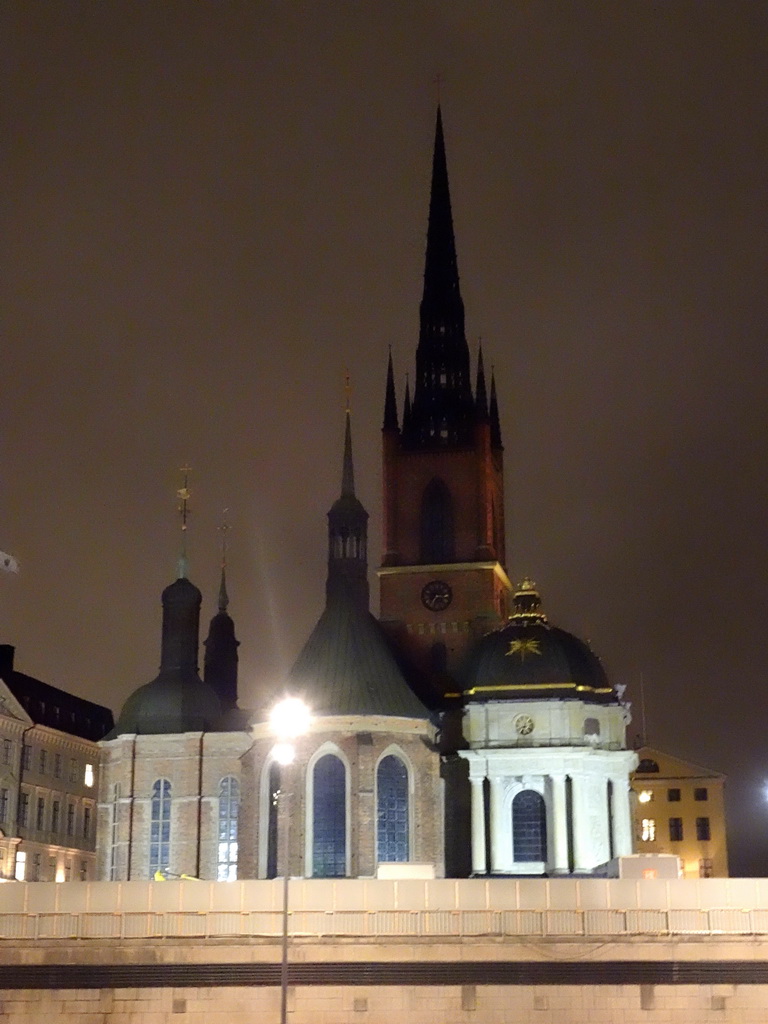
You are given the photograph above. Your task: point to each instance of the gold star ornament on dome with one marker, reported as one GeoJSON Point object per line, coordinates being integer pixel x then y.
{"type": "Point", "coordinates": [523, 647]}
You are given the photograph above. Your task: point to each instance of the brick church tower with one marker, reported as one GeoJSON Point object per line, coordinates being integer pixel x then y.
{"type": "Point", "coordinates": [443, 581]}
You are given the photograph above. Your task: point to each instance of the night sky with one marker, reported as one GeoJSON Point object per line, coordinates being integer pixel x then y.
{"type": "Point", "coordinates": [209, 210]}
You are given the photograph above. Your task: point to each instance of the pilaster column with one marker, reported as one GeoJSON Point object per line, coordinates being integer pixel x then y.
{"type": "Point", "coordinates": [498, 857]}
{"type": "Point", "coordinates": [622, 817]}
{"type": "Point", "coordinates": [559, 858]}
{"type": "Point", "coordinates": [582, 844]}
{"type": "Point", "coordinates": [479, 855]}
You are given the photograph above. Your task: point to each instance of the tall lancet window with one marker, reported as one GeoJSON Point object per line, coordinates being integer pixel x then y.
{"type": "Point", "coordinates": [229, 809]}
{"type": "Point", "coordinates": [529, 827]}
{"type": "Point", "coordinates": [392, 810]}
{"type": "Point", "coordinates": [273, 796]}
{"type": "Point", "coordinates": [329, 818]}
{"type": "Point", "coordinates": [437, 543]}
{"type": "Point", "coordinates": [114, 832]}
{"type": "Point", "coordinates": [160, 827]}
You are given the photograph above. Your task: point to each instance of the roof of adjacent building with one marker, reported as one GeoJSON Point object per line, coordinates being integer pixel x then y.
{"type": "Point", "coordinates": [347, 668]}
{"type": "Point", "coordinates": [50, 706]}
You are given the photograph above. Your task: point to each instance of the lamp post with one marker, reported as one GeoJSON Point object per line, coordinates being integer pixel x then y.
{"type": "Point", "coordinates": [289, 720]}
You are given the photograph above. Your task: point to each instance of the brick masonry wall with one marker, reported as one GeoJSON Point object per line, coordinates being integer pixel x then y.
{"type": "Point", "coordinates": [361, 742]}
{"type": "Point", "coordinates": [194, 764]}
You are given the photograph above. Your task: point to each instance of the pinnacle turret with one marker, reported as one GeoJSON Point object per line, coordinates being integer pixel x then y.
{"type": "Point", "coordinates": [348, 535]}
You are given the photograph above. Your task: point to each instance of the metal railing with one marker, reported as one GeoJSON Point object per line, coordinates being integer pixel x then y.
{"type": "Point", "coordinates": [426, 924]}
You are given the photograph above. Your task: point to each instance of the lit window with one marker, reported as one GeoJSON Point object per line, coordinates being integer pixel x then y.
{"type": "Point", "coordinates": [648, 834]}
{"type": "Point", "coordinates": [229, 806]}
{"type": "Point", "coordinates": [21, 865]}
{"type": "Point", "coordinates": [88, 777]}
{"type": "Point", "coordinates": [529, 827]}
{"type": "Point", "coordinates": [706, 869]}
{"type": "Point", "coordinates": [645, 796]}
{"type": "Point", "coordinates": [329, 818]}
{"type": "Point", "coordinates": [160, 827]}
{"type": "Point", "coordinates": [392, 810]}
{"type": "Point", "coordinates": [115, 827]}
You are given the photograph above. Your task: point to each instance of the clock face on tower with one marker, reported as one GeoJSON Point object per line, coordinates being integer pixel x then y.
{"type": "Point", "coordinates": [436, 596]}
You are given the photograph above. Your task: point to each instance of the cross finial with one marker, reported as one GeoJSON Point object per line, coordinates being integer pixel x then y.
{"type": "Point", "coordinates": [347, 388]}
{"type": "Point", "coordinates": [183, 495]}
{"type": "Point", "coordinates": [183, 508]}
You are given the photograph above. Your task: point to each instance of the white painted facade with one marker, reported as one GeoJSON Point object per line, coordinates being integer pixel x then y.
{"type": "Point", "coordinates": [572, 754]}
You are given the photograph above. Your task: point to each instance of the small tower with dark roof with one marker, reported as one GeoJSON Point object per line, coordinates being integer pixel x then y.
{"type": "Point", "coordinates": [221, 658]}
{"type": "Point", "coordinates": [177, 700]}
{"type": "Point", "coordinates": [348, 533]}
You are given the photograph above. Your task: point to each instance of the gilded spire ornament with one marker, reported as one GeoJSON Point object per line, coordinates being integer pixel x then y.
{"type": "Point", "coordinates": [183, 495]}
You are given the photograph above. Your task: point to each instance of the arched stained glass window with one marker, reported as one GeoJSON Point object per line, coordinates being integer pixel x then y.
{"type": "Point", "coordinates": [529, 827]}
{"type": "Point", "coordinates": [160, 827]}
{"type": "Point", "coordinates": [273, 795]}
{"type": "Point", "coordinates": [392, 810]}
{"type": "Point", "coordinates": [229, 808]}
{"type": "Point", "coordinates": [437, 544]}
{"type": "Point", "coordinates": [329, 818]}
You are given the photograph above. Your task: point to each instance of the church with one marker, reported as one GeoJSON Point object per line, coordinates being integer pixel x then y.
{"type": "Point", "coordinates": [459, 734]}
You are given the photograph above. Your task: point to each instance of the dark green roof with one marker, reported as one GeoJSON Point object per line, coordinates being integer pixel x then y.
{"type": "Point", "coordinates": [176, 701]}
{"type": "Point", "coordinates": [347, 668]}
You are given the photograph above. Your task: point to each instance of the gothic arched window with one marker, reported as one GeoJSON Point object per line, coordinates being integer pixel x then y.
{"type": "Point", "coordinates": [273, 796]}
{"type": "Point", "coordinates": [329, 818]}
{"type": "Point", "coordinates": [437, 542]}
{"type": "Point", "coordinates": [229, 807]}
{"type": "Point", "coordinates": [392, 810]}
{"type": "Point", "coordinates": [160, 827]}
{"type": "Point", "coordinates": [529, 827]}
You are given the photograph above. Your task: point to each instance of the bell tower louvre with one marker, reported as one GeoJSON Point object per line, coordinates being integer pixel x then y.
{"type": "Point", "coordinates": [443, 581]}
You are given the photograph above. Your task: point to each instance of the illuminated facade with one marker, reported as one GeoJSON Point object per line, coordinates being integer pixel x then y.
{"type": "Point", "coordinates": [49, 776]}
{"type": "Point", "coordinates": [461, 733]}
{"type": "Point", "coordinates": [678, 808]}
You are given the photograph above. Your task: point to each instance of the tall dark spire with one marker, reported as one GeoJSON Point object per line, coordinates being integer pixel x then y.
{"type": "Point", "coordinates": [390, 400]}
{"type": "Point", "coordinates": [481, 397]}
{"type": "Point", "coordinates": [221, 658]}
{"type": "Point", "coordinates": [442, 402]}
{"type": "Point", "coordinates": [494, 415]}
{"type": "Point", "coordinates": [407, 409]}
{"type": "Point", "coordinates": [347, 468]}
{"type": "Point", "coordinates": [348, 535]}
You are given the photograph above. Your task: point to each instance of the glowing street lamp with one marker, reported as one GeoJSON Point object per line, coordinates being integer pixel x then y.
{"type": "Point", "coordinates": [289, 719]}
